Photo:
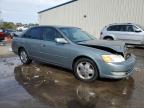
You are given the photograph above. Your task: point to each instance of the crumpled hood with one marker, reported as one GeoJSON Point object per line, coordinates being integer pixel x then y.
{"type": "Point", "coordinates": [110, 46]}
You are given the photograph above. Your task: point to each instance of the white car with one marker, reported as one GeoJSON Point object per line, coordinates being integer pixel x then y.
{"type": "Point", "coordinates": [127, 32]}
{"type": "Point", "coordinates": [22, 28]}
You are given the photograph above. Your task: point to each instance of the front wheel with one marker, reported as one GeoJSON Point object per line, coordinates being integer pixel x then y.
{"type": "Point", "coordinates": [24, 57]}
{"type": "Point", "coordinates": [86, 70]}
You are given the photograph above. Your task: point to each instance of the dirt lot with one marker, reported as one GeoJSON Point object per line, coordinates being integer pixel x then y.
{"type": "Point", "coordinates": [5, 51]}
{"type": "Point", "coordinates": [44, 86]}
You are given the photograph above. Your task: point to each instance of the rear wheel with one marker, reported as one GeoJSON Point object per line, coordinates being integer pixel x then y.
{"type": "Point", "coordinates": [86, 70]}
{"type": "Point", "coordinates": [24, 57]}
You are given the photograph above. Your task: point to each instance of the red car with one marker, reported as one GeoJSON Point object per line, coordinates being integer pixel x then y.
{"type": "Point", "coordinates": [2, 35]}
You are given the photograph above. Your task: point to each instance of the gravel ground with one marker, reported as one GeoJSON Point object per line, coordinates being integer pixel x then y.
{"type": "Point", "coordinates": [6, 51]}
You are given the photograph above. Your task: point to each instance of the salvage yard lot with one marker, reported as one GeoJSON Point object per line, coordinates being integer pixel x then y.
{"type": "Point", "coordinates": [6, 51]}
{"type": "Point", "coordinates": [41, 85]}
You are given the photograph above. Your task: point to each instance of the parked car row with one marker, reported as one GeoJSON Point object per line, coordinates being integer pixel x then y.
{"type": "Point", "coordinates": [127, 32]}
{"type": "Point", "coordinates": [74, 49]}
{"type": "Point", "coordinates": [6, 33]}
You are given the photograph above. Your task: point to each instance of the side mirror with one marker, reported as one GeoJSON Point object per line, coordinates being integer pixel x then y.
{"type": "Point", "coordinates": [61, 40]}
{"type": "Point", "coordinates": [138, 30]}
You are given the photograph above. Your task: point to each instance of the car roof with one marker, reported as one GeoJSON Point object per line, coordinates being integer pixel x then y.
{"type": "Point", "coordinates": [113, 24]}
{"type": "Point", "coordinates": [121, 24]}
{"type": "Point", "coordinates": [56, 26]}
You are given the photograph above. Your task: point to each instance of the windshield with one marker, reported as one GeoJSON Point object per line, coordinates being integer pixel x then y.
{"type": "Point", "coordinates": [76, 34]}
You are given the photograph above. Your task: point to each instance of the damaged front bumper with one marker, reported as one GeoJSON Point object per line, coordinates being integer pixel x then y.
{"type": "Point", "coordinates": [119, 70]}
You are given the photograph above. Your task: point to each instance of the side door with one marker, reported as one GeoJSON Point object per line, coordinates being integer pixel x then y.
{"type": "Point", "coordinates": [54, 52]}
{"type": "Point", "coordinates": [120, 33]}
{"type": "Point", "coordinates": [34, 42]}
{"type": "Point", "coordinates": [115, 30]}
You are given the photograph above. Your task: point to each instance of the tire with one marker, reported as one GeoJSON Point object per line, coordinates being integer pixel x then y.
{"type": "Point", "coordinates": [85, 70]}
{"type": "Point", "coordinates": [24, 57]}
{"type": "Point", "coordinates": [108, 38]}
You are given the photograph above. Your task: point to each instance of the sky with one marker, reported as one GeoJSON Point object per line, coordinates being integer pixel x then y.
{"type": "Point", "coordinates": [25, 11]}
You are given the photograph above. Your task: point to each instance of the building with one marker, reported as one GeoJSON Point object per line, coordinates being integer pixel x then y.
{"type": "Point", "coordinates": [93, 15]}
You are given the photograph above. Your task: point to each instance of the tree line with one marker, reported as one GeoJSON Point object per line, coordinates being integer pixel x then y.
{"type": "Point", "coordinates": [11, 25]}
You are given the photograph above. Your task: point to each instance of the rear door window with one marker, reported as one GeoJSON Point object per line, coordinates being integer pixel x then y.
{"type": "Point", "coordinates": [34, 33]}
{"type": "Point", "coordinates": [114, 28]}
{"type": "Point", "coordinates": [27, 34]}
{"type": "Point", "coordinates": [117, 28]}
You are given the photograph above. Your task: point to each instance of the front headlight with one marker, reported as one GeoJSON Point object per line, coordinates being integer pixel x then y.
{"type": "Point", "coordinates": [113, 58]}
